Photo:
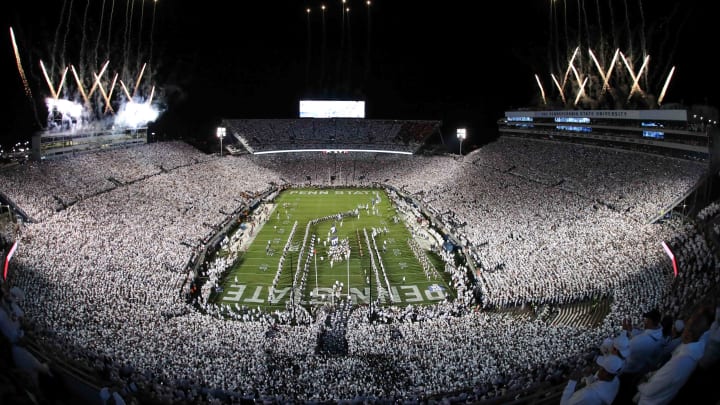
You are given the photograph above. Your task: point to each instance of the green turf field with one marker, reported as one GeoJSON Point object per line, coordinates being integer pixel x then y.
{"type": "Point", "coordinates": [250, 281]}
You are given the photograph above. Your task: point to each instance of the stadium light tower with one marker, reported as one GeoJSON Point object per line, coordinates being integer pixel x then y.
{"type": "Point", "coordinates": [461, 135]}
{"type": "Point", "coordinates": [221, 132]}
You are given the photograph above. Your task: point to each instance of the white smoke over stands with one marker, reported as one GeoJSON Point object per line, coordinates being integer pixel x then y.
{"type": "Point", "coordinates": [136, 115]}
{"type": "Point", "coordinates": [67, 111]}
{"type": "Point", "coordinates": [67, 114]}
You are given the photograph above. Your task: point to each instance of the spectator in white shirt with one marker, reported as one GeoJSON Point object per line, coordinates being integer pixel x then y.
{"type": "Point", "coordinates": [603, 387]}
{"type": "Point", "coordinates": [665, 383]}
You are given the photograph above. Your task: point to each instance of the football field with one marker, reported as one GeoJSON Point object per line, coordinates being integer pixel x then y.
{"type": "Point", "coordinates": [328, 243]}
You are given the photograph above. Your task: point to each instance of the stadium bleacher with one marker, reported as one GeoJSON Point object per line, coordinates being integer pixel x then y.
{"type": "Point", "coordinates": [554, 226]}
{"type": "Point", "coordinates": [258, 135]}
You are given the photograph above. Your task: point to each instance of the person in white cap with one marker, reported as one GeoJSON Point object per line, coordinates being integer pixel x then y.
{"type": "Point", "coordinates": [619, 346]}
{"type": "Point", "coordinates": [602, 390]}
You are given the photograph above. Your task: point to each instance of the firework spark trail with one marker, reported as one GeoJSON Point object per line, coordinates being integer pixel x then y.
{"type": "Point", "coordinates": [342, 41]}
{"type": "Point", "coordinates": [542, 90]}
{"type": "Point", "coordinates": [152, 94]}
{"type": "Point", "coordinates": [557, 39]}
{"type": "Point", "coordinates": [67, 30]}
{"type": "Point", "coordinates": [642, 26]}
{"type": "Point", "coordinates": [550, 32]}
{"type": "Point", "coordinates": [342, 29]}
{"type": "Point", "coordinates": [581, 91]}
{"type": "Point", "coordinates": [57, 35]}
{"type": "Point", "coordinates": [579, 25]}
{"type": "Point", "coordinates": [125, 90]}
{"type": "Point", "coordinates": [600, 28]}
{"type": "Point", "coordinates": [97, 41]}
{"type": "Point", "coordinates": [322, 54]}
{"type": "Point", "coordinates": [587, 25]}
{"type": "Point", "coordinates": [567, 38]}
{"type": "Point", "coordinates": [130, 27]}
{"type": "Point", "coordinates": [606, 81]}
{"type": "Point", "coordinates": [642, 36]}
{"type": "Point", "coordinates": [604, 75]}
{"type": "Point", "coordinates": [636, 79]}
{"type": "Point", "coordinates": [629, 34]}
{"type": "Point", "coordinates": [47, 80]}
{"type": "Point", "coordinates": [139, 78]}
{"type": "Point", "coordinates": [105, 96]}
{"type": "Point", "coordinates": [593, 77]}
{"type": "Point", "coordinates": [81, 88]}
{"type": "Point", "coordinates": [125, 36]}
{"type": "Point", "coordinates": [570, 66]}
{"type": "Point", "coordinates": [665, 86]}
{"type": "Point", "coordinates": [612, 25]}
{"type": "Point", "coordinates": [109, 34]}
{"type": "Point", "coordinates": [680, 27]}
{"type": "Point", "coordinates": [367, 48]}
{"type": "Point", "coordinates": [559, 87]}
{"type": "Point", "coordinates": [581, 84]}
{"type": "Point", "coordinates": [350, 48]}
{"type": "Point", "coordinates": [142, 14]}
{"type": "Point", "coordinates": [579, 30]}
{"type": "Point", "coordinates": [597, 64]}
{"type": "Point", "coordinates": [82, 41]}
{"type": "Point", "coordinates": [97, 79]}
{"type": "Point", "coordinates": [26, 86]}
{"type": "Point", "coordinates": [55, 93]}
{"type": "Point", "coordinates": [108, 96]}
{"type": "Point", "coordinates": [152, 30]}
{"type": "Point", "coordinates": [308, 50]}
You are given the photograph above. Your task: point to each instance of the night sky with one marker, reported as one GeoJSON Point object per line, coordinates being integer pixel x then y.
{"type": "Point", "coordinates": [461, 62]}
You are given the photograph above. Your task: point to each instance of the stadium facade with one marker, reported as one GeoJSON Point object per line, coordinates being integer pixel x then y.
{"type": "Point", "coordinates": [676, 132]}
{"type": "Point", "coordinates": [52, 144]}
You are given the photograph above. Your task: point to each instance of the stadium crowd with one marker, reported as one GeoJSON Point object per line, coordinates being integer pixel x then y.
{"type": "Point", "coordinates": [260, 135]}
{"type": "Point", "coordinates": [102, 260]}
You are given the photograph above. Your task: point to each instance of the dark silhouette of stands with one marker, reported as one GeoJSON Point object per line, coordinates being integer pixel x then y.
{"type": "Point", "coordinates": [259, 135]}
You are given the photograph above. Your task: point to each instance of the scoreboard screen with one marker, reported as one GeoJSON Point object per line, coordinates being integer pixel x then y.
{"type": "Point", "coordinates": [332, 109]}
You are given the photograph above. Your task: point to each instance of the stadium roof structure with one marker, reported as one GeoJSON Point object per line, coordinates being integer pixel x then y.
{"type": "Point", "coordinates": [261, 136]}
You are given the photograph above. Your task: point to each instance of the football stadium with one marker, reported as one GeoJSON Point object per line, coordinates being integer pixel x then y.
{"type": "Point", "coordinates": [333, 257]}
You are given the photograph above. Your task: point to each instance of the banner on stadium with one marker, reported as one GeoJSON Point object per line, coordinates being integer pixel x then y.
{"type": "Point", "coordinates": [671, 256]}
{"type": "Point", "coordinates": [7, 259]}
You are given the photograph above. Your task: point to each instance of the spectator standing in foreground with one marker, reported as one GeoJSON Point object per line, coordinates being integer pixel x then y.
{"type": "Point", "coordinates": [645, 344]}
{"type": "Point", "coordinates": [674, 341]}
{"type": "Point", "coordinates": [645, 348]}
{"type": "Point", "coordinates": [664, 384]}
{"type": "Point", "coordinates": [602, 388]}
